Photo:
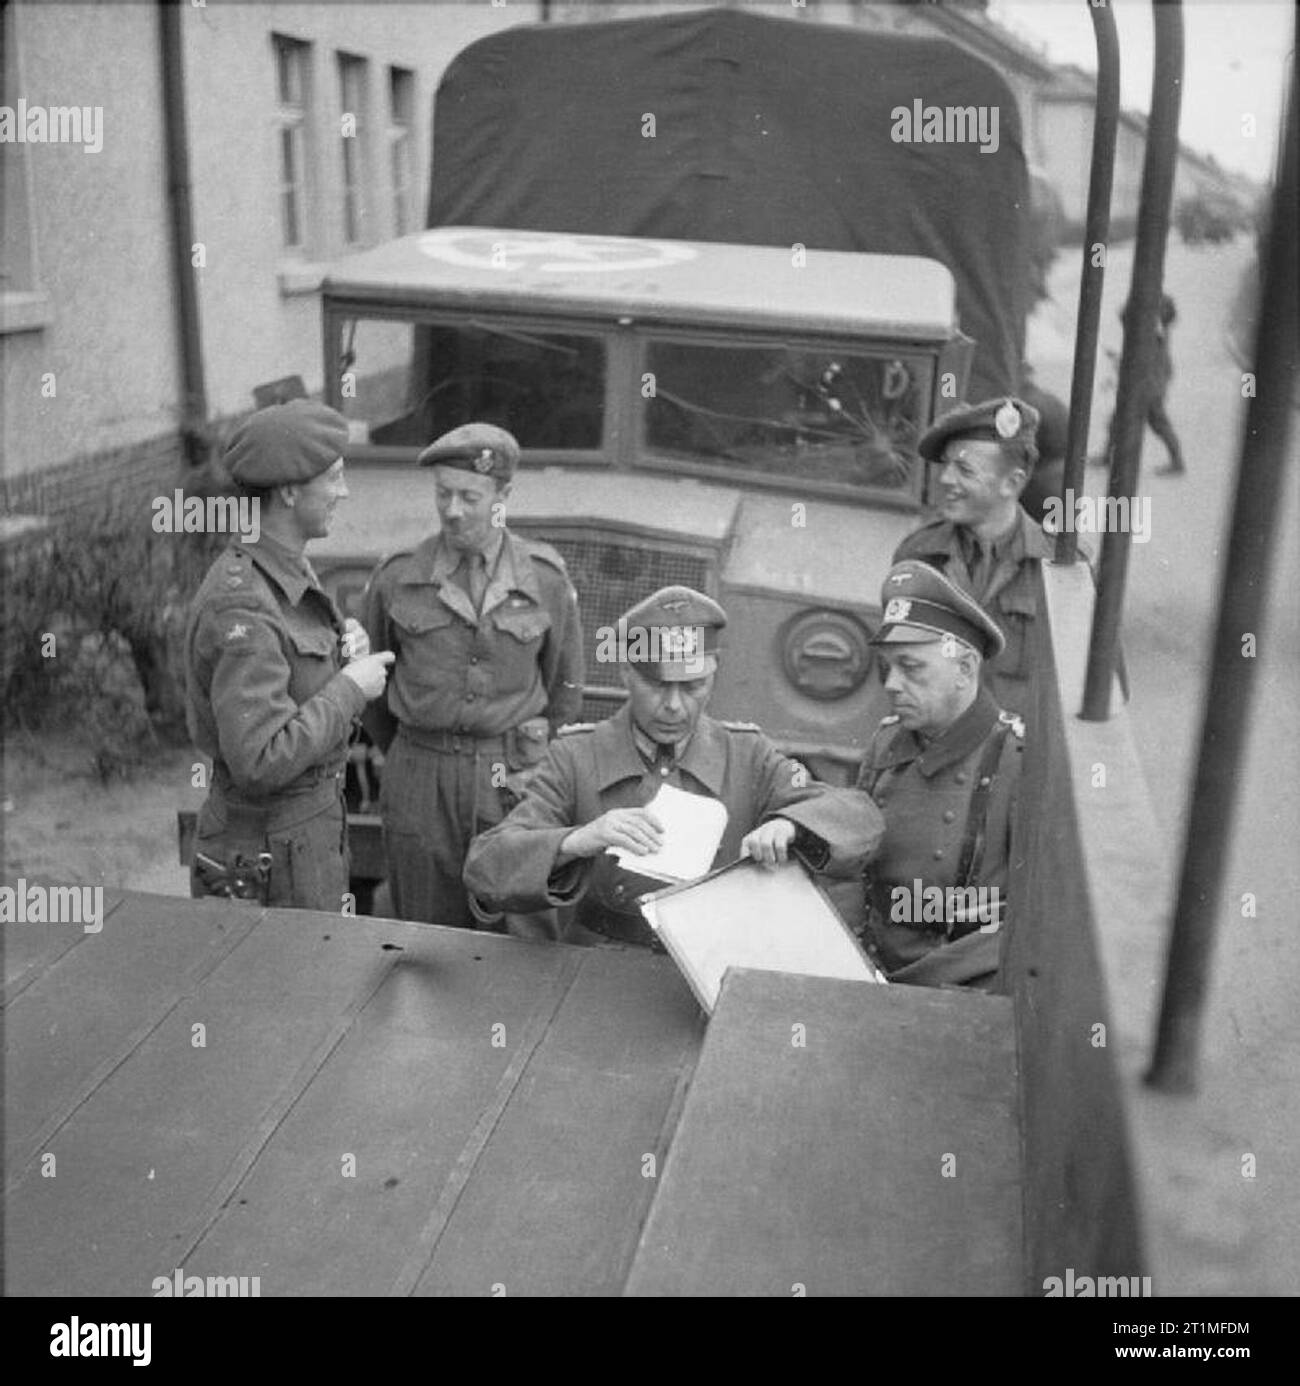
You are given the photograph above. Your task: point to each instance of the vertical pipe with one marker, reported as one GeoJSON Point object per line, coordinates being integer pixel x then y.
{"type": "Point", "coordinates": [1105, 125]}
{"type": "Point", "coordinates": [1138, 360]}
{"type": "Point", "coordinates": [194, 397]}
{"type": "Point", "coordinates": [1243, 584]}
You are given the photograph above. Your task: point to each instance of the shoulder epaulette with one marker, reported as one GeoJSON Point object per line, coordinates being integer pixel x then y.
{"type": "Point", "coordinates": [1013, 720]}
{"type": "Point", "coordinates": [539, 548]}
{"type": "Point", "coordinates": [742, 726]}
{"type": "Point", "coordinates": [388, 559]}
{"type": "Point", "coordinates": [573, 728]}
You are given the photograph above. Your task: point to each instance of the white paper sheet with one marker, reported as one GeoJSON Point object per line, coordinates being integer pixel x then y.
{"type": "Point", "coordinates": [746, 915]}
{"type": "Point", "coordinates": [693, 828]}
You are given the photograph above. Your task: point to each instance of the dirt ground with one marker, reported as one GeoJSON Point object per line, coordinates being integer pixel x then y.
{"type": "Point", "coordinates": [60, 821]}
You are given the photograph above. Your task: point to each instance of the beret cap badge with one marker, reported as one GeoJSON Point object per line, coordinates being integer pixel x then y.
{"type": "Point", "coordinates": [1007, 421]}
{"type": "Point", "coordinates": [485, 461]}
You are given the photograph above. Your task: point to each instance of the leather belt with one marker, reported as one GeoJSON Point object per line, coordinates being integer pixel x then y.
{"type": "Point", "coordinates": [453, 743]}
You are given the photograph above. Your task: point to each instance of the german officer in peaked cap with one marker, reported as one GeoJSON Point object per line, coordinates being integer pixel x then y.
{"type": "Point", "coordinates": [274, 676]}
{"type": "Point", "coordinates": [944, 768]}
{"type": "Point", "coordinates": [591, 792]}
{"type": "Point", "coordinates": [489, 664]}
{"type": "Point", "coordinates": [983, 539]}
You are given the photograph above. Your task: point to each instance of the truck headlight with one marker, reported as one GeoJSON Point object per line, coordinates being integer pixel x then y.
{"type": "Point", "coordinates": [825, 654]}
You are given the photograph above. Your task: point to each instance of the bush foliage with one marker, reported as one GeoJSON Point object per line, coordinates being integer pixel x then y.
{"type": "Point", "coordinates": [95, 620]}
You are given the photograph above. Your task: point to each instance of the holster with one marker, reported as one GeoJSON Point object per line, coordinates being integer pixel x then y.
{"type": "Point", "coordinates": [240, 878]}
{"type": "Point", "coordinates": [525, 749]}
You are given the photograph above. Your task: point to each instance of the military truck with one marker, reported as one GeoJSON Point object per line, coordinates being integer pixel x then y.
{"type": "Point", "coordinates": [717, 302]}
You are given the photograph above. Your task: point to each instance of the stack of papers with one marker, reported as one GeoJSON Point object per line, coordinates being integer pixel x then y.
{"type": "Point", "coordinates": [747, 915]}
{"type": "Point", "coordinates": [693, 827]}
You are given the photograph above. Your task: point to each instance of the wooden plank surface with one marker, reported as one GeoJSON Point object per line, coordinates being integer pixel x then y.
{"type": "Point", "coordinates": [375, 1107]}
{"type": "Point", "coordinates": [874, 1153]}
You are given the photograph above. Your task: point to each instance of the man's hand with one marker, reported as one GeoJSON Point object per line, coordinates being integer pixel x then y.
{"type": "Point", "coordinates": [769, 843]}
{"type": "Point", "coordinates": [355, 642]}
{"type": "Point", "coordinates": [636, 830]}
{"type": "Point", "coordinates": [370, 672]}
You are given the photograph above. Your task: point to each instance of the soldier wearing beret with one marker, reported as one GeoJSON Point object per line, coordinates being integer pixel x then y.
{"type": "Point", "coordinates": [944, 768]}
{"type": "Point", "coordinates": [489, 664]}
{"type": "Point", "coordinates": [591, 792]}
{"type": "Point", "coordinates": [275, 678]}
{"type": "Point", "coordinates": [983, 540]}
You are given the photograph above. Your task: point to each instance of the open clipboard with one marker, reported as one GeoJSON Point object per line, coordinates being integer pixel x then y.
{"type": "Point", "coordinates": [747, 915]}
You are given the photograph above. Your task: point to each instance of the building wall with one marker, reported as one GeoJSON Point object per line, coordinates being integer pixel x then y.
{"type": "Point", "coordinates": [99, 242]}
{"type": "Point", "coordinates": [1065, 155]}
{"type": "Point", "coordinates": [261, 314]}
{"type": "Point", "coordinates": [99, 222]}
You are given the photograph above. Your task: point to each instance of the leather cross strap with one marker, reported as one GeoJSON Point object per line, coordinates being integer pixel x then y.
{"type": "Point", "coordinates": [972, 846]}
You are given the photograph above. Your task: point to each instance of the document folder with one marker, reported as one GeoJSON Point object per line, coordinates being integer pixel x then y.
{"type": "Point", "coordinates": [747, 915]}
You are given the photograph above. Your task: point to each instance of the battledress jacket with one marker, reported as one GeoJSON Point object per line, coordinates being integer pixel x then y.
{"type": "Point", "coordinates": [267, 698]}
{"type": "Point", "coordinates": [594, 768]}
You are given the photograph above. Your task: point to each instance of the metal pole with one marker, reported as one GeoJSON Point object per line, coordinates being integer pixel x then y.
{"type": "Point", "coordinates": [1105, 125]}
{"type": "Point", "coordinates": [1140, 316]}
{"type": "Point", "coordinates": [1243, 583]}
{"type": "Point", "coordinates": [194, 397]}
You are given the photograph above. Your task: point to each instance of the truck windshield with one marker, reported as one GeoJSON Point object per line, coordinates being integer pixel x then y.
{"type": "Point", "coordinates": [792, 412]}
{"type": "Point", "coordinates": [409, 382]}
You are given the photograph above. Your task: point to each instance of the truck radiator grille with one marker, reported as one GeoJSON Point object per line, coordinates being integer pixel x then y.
{"type": "Point", "coordinates": [610, 577]}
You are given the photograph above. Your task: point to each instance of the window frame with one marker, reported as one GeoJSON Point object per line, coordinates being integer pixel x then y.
{"type": "Point", "coordinates": [648, 458]}
{"type": "Point", "coordinates": [400, 146]}
{"type": "Point", "coordinates": [293, 118]}
{"type": "Point", "coordinates": [337, 311]}
{"type": "Point", "coordinates": [356, 217]}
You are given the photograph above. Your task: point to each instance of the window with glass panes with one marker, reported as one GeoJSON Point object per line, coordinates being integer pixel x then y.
{"type": "Point", "coordinates": [291, 68]}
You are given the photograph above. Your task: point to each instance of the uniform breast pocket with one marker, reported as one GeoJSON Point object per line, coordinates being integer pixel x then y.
{"type": "Point", "coordinates": [313, 659]}
{"type": "Point", "coordinates": [430, 640]}
{"type": "Point", "coordinates": [520, 632]}
{"type": "Point", "coordinates": [1015, 615]}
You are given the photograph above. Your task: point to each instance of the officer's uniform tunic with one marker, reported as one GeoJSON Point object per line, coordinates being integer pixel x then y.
{"type": "Point", "coordinates": [465, 699]}
{"type": "Point", "coordinates": [1006, 589]}
{"type": "Point", "coordinates": [924, 789]}
{"type": "Point", "coordinates": [594, 768]}
{"type": "Point", "coordinates": [267, 702]}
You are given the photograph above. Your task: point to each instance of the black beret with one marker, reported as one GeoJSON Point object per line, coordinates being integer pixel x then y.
{"type": "Point", "coordinates": [284, 443]}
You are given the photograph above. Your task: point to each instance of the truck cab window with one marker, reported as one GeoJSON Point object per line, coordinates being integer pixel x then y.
{"type": "Point", "coordinates": [819, 415]}
{"type": "Point", "coordinates": [413, 382]}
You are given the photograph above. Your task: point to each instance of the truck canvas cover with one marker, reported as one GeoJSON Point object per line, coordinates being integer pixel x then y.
{"type": "Point", "coordinates": [765, 132]}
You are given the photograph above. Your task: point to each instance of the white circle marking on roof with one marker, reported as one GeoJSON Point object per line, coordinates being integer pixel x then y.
{"type": "Point", "coordinates": [559, 254]}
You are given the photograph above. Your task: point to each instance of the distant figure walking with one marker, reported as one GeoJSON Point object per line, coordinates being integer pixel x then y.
{"type": "Point", "coordinates": [1155, 388]}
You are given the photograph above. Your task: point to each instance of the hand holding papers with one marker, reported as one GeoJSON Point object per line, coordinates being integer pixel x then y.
{"type": "Point", "coordinates": [692, 824]}
{"type": "Point", "coordinates": [747, 915]}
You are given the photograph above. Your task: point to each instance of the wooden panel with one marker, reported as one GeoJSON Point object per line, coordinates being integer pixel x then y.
{"type": "Point", "coordinates": [96, 1002]}
{"type": "Point", "coordinates": [324, 1039]}
{"type": "Point", "coordinates": [822, 1164]}
{"type": "Point", "coordinates": [556, 1200]}
{"type": "Point", "coordinates": [402, 1094]}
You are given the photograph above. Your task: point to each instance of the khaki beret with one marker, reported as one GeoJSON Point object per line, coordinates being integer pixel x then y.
{"type": "Point", "coordinates": [474, 447]}
{"type": "Point", "coordinates": [1002, 420]}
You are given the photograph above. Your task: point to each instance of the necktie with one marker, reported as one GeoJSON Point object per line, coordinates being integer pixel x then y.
{"type": "Point", "coordinates": [478, 579]}
{"type": "Point", "coordinates": [981, 568]}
